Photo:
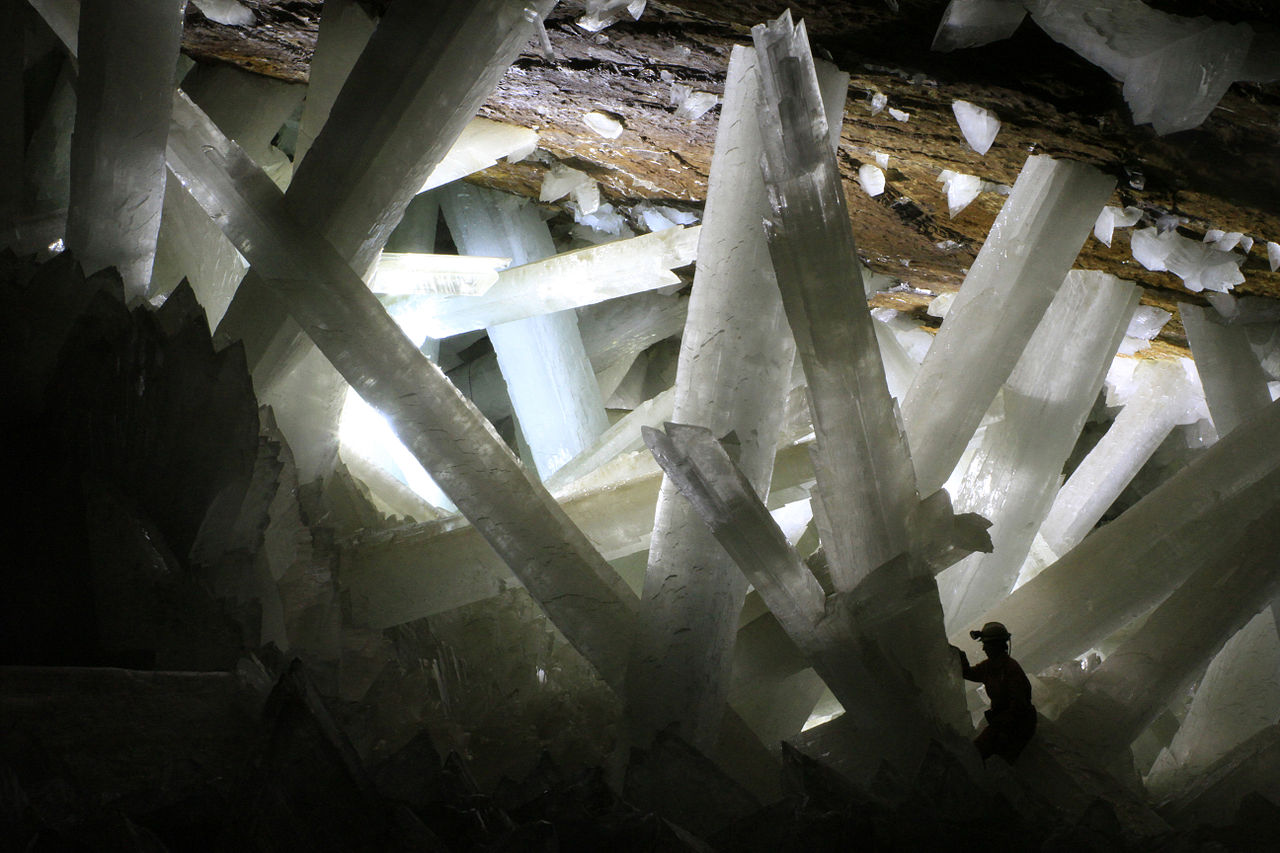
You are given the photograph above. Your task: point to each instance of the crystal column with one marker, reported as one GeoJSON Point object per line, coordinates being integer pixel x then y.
{"type": "Point", "coordinates": [1024, 260]}
{"type": "Point", "coordinates": [1235, 385]}
{"type": "Point", "coordinates": [549, 378]}
{"type": "Point", "coordinates": [580, 592]}
{"type": "Point", "coordinates": [733, 374]}
{"type": "Point", "coordinates": [1163, 400]}
{"type": "Point", "coordinates": [1013, 473]}
{"type": "Point", "coordinates": [1123, 569]}
{"type": "Point", "coordinates": [1145, 673]}
{"type": "Point", "coordinates": [128, 52]}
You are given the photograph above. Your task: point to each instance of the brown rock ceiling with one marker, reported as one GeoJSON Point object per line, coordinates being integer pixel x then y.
{"type": "Point", "coordinates": [1225, 174]}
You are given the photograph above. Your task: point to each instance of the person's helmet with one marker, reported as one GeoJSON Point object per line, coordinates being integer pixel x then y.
{"type": "Point", "coordinates": [992, 631]}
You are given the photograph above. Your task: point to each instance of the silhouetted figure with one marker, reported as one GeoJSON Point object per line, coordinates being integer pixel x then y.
{"type": "Point", "coordinates": [1011, 719]}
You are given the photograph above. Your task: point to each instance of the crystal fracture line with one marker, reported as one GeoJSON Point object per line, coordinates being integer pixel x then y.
{"type": "Point", "coordinates": [733, 374]}
{"type": "Point", "coordinates": [580, 592]}
{"type": "Point", "coordinates": [128, 52]}
{"type": "Point", "coordinates": [1024, 260]}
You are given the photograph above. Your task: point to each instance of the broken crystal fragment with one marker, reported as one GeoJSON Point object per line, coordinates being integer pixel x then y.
{"type": "Point", "coordinates": [600, 14]}
{"type": "Point", "coordinates": [562, 181]}
{"type": "Point", "coordinates": [978, 125]}
{"type": "Point", "coordinates": [690, 104]}
{"type": "Point", "coordinates": [899, 115]}
{"type": "Point", "coordinates": [228, 12]}
{"type": "Point", "coordinates": [1224, 241]}
{"type": "Point", "coordinates": [1144, 325]}
{"type": "Point", "coordinates": [872, 179]}
{"type": "Point", "coordinates": [940, 305]}
{"type": "Point", "coordinates": [481, 144]}
{"type": "Point", "coordinates": [881, 158]}
{"type": "Point", "coordinates": [1024, 260]}
{"type": "Point", "coordinates": [1174, 69]}
{"type": "Point", "coordinates": [1112, 218]}
{"type": "Point", "coordinates": [972, 23]}
{"type": "Point", "coordinates": [1273, 255]}
{"type": "Point", "coordinates": [961, 190]}
{"type": "Point", "coordinates": [877, 101]}
{"type": "Point", "coordinates": [1199, 266]}
{"type": "Point", "coordinates": [603, 124]}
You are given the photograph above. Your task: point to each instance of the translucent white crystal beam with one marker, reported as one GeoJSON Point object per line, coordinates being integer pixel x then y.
{"type": "Point", "coordinates": [580, 592]}
{"type": "Point", "coordinates": [410, 273]}
{"type": "Point", "coordinates": [569, 280]}
{"type": "Point", "coordinates": [127, 56]}
{"type": "Point", "coordinates": [419, 80]}
{"type": "Point", "coordinates": [1024, 260]}
{"type": "Point", "coordinates": [836, 635]}
{"type": "Point", "coordinates": [727, 502]}
{"type": "Point", "coordinates": [250, 109]}
{"type": "Point", "coordinates": [549, 378]}
{"type": "Point", "coordinates": [481, 144]}
{"type": "Point", "coordinates": [408, 573]}
{"type": "Point", "coordinates": [864, 473]}
{"type": "Point", "coordinates": [622, 437]}
{"type": "Point", "coordinates": [345, 28]}
{"type": "Point", "coordinates": [1235, 385]}
{"type": "Point", "coordinates": [1238, 697]}
{"type": "Point", "coordinates": [866, 483]}
{"type": "Point", "coordinates": [1124, 568]}
{"type": "Point", "coordinates": [1146, 672]}
{"type": "Point", "coordinates": [1012, 476]}
{"type": "Point", "coordinates": [733, 375]}
{"type": "Point", "coordinates": [617, 331]}
{"type": "Point", "coordinates": [1164, 399]}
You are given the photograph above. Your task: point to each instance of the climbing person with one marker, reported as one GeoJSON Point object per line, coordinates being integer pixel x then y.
{"type": "Point", "coordinates": [1011, 719]}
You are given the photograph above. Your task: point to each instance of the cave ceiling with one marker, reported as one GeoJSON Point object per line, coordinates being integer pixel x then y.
{"type": "Point", "coordinates": [1224, 174]}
